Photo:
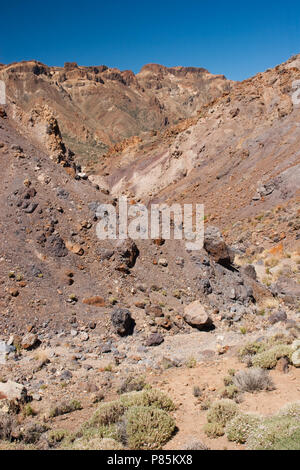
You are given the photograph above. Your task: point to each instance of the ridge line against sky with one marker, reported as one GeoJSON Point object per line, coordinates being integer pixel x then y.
{"type": "Point", "coordinates": [230, 38]}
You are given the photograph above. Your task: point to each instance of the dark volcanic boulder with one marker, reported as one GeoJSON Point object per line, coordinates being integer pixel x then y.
{"type": "Point", "coordinates": [216, 247]}
{"type": "Point", "coordinates": [122, 321]}
{"type": "Point", "coordinates": [56, 246]}
{"type": "Point", "coordinates": [127, 252]}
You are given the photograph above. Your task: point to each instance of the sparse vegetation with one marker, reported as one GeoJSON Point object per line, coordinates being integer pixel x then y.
{"type": "Point", "coordinates": [131, 384]}
{"type": "Point", "coordinates": [252, 380]}
{"type": "Point", "coordinates": [239, 427]}
{"type": "Point", "coordinates": [195, 444]}
{"type": "Point", "coordinates": [148, 427]}
{"type": "Point", "coordinates": [214, 430]}
{"type": "Point", "coordinates": [139, 419]}
{"type": "Point", "coordinates": [222, 411]}
{"type": "Point", "coordinates": [64, 408]}
{"type": "Point", "coordinates": [268, 359]}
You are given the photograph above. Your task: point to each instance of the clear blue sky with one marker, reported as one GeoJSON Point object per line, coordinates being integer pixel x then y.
{"type": "Point", "coordinates": [236, 38]}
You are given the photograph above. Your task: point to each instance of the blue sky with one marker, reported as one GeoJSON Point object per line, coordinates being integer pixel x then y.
{"type": "Point", "coordinates": [235, 38]}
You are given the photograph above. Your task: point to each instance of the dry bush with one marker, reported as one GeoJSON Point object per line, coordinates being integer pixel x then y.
{"type": "Point", "coordinates": [252, 380]}
{"type": "Point", "coordinates": [7, 424]}
{"type": "Point", "coordinates": [194, 444]}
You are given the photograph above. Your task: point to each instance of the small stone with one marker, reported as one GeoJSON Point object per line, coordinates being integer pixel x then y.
{"type": "Point", "coordinates": [163, 262]}
{"type": "Point", "coordinates": [84, 336]}
{"type": "Point", "coordinates": [154, 311]}
{"type": "Point", "coordinates": [95, 301]}
{"type": "Point", "coordinates": [154, 340]}
{"type": "Point", "coordinates": [14, 292]}
{"type": "Point", "coordinates": [29, 341]}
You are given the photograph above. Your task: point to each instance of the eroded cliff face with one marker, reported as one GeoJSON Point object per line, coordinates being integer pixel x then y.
{"type": "Point", "coordinates": [227, 157]}
{"type": "Point", "coordinates": [99, 106]}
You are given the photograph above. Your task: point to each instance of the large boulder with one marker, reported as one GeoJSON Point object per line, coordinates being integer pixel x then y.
{"type": "Point", "coordinates": [122, 321]}
{"type": "Point", "coordinates": [196, 316]}
{"type": "Point", "coordinates": [287, 289]}
{"type": "Point", "coordinates": [216, 247]}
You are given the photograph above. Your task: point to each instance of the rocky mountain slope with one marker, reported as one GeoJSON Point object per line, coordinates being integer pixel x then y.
{"type": "Point", "coordinates": [239, 156]}
{"type": "Point", "coordinates": [98, 106]}
{"type": "Point", "coordinates": [84, 320]}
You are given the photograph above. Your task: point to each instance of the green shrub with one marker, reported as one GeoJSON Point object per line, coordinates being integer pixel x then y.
{"type": "Point", "coordinates": [96, 444]}
{"type": "Point", "coordinates": [231, 391]}
{"type": "Point", "coordinates": [222, 411]}
{"type": "Point", "coordinates": [56, 436]}
{"type": "Point", "coordinates": [28, 411]}
{"type": "Point", "coordinates": [147, 398]}
{"type": "Point", "coordinates": [240, 426]}
{"type": "Point", "coordinates": [131, 384]}
{"type": "Point", "coordinates": [268, 359]}
{"type": "Point", "coordinates": [148, 427]}
{"type": "Point", "coordinates": [120, 419]}
{"type": "Point", "coordinates": [228, 380]}
{"type": "Point", "coordinates": [270, 431]}
{"type": "Point", "coordinates": [107, 413]}
{"type": "Point", "coordinates": [292, 410]}
{"type": "Point", "coordinates": [64, 408]}
{"type": "Point", "coordinates": [292, 442]}
{"type": "Point", "coordinates": [213, 430]}
{"type": "Point", "coordinates": [251, 349]}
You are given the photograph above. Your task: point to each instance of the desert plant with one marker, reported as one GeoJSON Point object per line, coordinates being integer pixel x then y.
{"type": "Point", "coordinates": [268, 359]}
{"type": "Point", "coordinates": [191, 363]}
{"type": "Point", "coordinates": [213, 430]}
{"type": "Point", "coordinates": [228, 380]}
{"type": "Point", "coordinates": [292, 410]}
{"type": "Point", "coordinates": [107, 413]}
{"type": "Point", "coordinates": [291, 442]}
{"type": "Point", "coordinates": [64, 408]}
{"type": "Point", "coordinates": [95, 443]}
{"type": "Point", "coordinates": [56, 436]}
{"type": "Point", "coordinates": [231, 391]}
{"type": "Point", "coordinates": [240, 426]}
{"type": "Point", "coordinates": [131, 384]}
{"type": "Point", "coordinates": [197, 391]}
{"type": "Point", "coordinates": [147, 398]}
{"type": "Point", "coordinates": [252, 380]}
{"type": "Point", "coordinates": [222, 411]}
{"type": "Point", "coordinates": [194, 444]}
{"type": "Point", "coordinates": [7, 424]}
{"type": "Point", "coordinates": [28, 411]}
{"type": "Point", "coordinates": [270, 431]}
{"type": "Point", "coordinates": [148, 427]}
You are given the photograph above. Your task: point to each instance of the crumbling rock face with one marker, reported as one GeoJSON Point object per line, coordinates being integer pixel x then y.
{"type": "Point", "coordinates": [222, 284]}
